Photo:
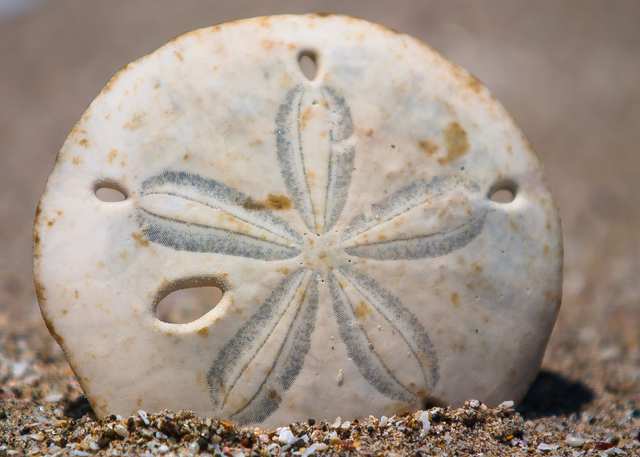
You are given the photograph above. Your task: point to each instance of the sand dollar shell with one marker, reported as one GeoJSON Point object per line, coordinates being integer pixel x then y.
{"type": "Point", "coordinates": [348, 219]}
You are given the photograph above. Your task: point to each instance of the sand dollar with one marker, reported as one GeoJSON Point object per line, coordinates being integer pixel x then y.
{"type": "Point", "coordinates": [348, 216]}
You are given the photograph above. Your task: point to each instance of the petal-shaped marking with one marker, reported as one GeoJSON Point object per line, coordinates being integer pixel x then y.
{"type": "Point", "coordinates": [291, 155]}
{"type": "Point", "coordinates": [220, 197]}
{"type": "Point", "coordinates": [263, 359]}
{"type": "Point", "coordinates": [415, 194]}
{"type": "Point", "coordinates": [188, 212]}
{"type": "Point", "coordinates": [186, 236]}
{"type": "Point", "coordinates": [424, 219]}
{"type": "Point", "coordinates": [419, 247]}
{"type": "Point", "coordinates": [341, 157]}
{"type": "Point", "coordinates": [355, 297]}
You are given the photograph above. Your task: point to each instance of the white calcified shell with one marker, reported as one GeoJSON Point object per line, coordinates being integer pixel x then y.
{"type": "Point", "coordinates": [365, 269]}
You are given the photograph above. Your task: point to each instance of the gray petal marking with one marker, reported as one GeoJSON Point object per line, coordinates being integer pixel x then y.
{"type": "Point", "coordinates": [432, 245]}
{"type": "Point", "coordinates": [241, 350]}
{"type": "Point", "coordinates": [411, 331]}
{"type": "Point", "coordinates": [185, 236]}
{"type": "Point", "coordinates": [288, 363]}
{"type": "Point", "coordinates": [216, 195]}
{"type": "Point", "coordinates": [360, 348]}
{"type": "Point", "coordinates": [341, 159]}
{"type": "Point", "coordinates": [403, 200]}
{"type": "Point", "coordinates": [291, 155]}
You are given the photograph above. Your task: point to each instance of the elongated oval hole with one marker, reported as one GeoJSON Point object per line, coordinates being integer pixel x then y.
{"type": "Point", "coordinates": [110, 192]}
{"type": "Point", "coordinates": [503, 192]}
{"type": "Point", "coordinates": [188, 301]}
{"type": "Point", "coordinates": [308, 63]}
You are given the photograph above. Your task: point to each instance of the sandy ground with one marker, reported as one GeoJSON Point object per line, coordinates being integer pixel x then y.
{"type": "Point", "coordinates": [569, 73]}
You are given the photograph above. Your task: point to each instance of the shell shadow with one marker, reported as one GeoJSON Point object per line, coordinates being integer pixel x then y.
{"type": "Point", "coordinates": [554, 394]}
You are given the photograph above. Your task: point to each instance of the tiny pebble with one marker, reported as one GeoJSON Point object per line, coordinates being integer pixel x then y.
{"type": "Point", "coordinates": [19, 369]}
{"type": "Point", "coordinates": [163, 449]}
{"type": "Point", "coordinates": [121, 430]}
{"type": "Point", "coordinates": [506, 404]}
{"type": "Point", "coordinates": [544, 447]}
{"type": "Point", "coordinates": [53, 397]}
{"type": "Point", "coordinates": [315, 447]}
{"type": "Point", "coordinates": [426, 424]}
{"type": "Point", "coordinates": [574, 440]}
{"type": "Point", "coordinates": [143, 415]}
{"type": "Point", "coordinates": [285, 436]}
{"type": "Point", "coordinates": [337, 422]}
{"type": "Point", "coordinates": [383, 421]}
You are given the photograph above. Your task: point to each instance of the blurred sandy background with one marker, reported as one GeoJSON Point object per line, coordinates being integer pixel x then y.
{"type": "Point", "coordinates": [568, 71]}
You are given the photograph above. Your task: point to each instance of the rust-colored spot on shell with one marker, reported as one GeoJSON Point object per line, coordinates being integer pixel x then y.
{"type": "Point", "coordinates": [474, 83]}
{"type": "Point", "coordinates": [428, 147]}
{"type": "Point", "coordinates": [76, 160]}
{"type": "Point", "coordinates": [76, 294]}
{"type": "Point", "coordinates": [267, 44]}
{"type": "Point", "coordinates": [179, 56]}
{"type": "Point", "coordinates": [204, 332]}
{"type": "Point", "coordinates": [265, 22]}
{"type": "Point", "coordinates": [455, 299]}
{"type": "Point", "coordinates": [40, 291]}
{"type": "Point", "coordinates": [546, 249]}
{"type": "Point", "coordinates": [37, 215]}
{"type": "Point", "coordinates": [52, 330]}
{"type": "Point", "coordinates": [140, 239]}
{"type": "Point", "coordinates": [84, 143]}
{"type": "Point", "coordinates": [273, 201]}
{"type": "Point", "coordinates": [135, 122]}
{"type": "Point", "coordinates": [36, 245]}
{"type": "Point", "coordinates": [305, 117]}
{"type": "Point", "coordinates": [114, 79]}
{"type": "Point", "coordinates": [283, 270]}
{"type": "Point", "coordinates": [112, 155]}
{"type": "Point", "coordinates": [361, 310]}
{"type": "Point", "coordinates": [455, 138]}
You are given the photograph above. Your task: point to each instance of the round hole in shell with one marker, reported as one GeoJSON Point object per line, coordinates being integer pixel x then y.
{"type": "Point", "coordinates": [308, 63]}
{"type": "Point", "coordinates": [503, 191]}
{"type": "Point", "coordinates": [186, 301]}
{"type": "Point", "coordinates": [110, 192]}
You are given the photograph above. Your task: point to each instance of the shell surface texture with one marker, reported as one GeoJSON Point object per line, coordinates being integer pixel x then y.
{"type": "Point", "coordinates": [348, 217]}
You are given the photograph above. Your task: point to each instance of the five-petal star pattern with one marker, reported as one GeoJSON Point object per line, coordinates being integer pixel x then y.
{"type": "Point", "coordinates": [245, 229]}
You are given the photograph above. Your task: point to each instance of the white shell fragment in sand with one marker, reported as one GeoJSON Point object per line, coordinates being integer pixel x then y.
{"type": "Point", "coordinates": [349, 220]}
